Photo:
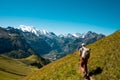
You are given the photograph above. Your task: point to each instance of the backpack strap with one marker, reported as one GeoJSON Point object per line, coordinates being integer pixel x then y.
{"type": "Point", "coordinates": [81, 51]}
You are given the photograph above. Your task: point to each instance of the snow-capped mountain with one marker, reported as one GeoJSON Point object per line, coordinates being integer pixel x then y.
{"type": "Point", "coordinates": [78, 35]}
{"type": "Point", "coordinates": [51, 35]}
{"type": "Point", "coordinates": [75, 35]}
{"type": "Point", "coordinates": [69, 35]}
{"type": "Point", "coordinates": [42, 32]}
{"type": "Point", "coordinates": [31, 29]}
{"type": "Point", "coordinates": [47, 34]}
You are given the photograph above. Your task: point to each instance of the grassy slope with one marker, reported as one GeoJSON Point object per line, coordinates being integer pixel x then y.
{"type": "Point", "coordinates": [34, 59]}
{"type": "Point", "coordinates": [106, 54]}
{"type": "Point", "coordinates": [11, 69]}
{"type": "Point", "coordinates": [62, 69]}
{"type": "Point", "coordinates": [103, 63]}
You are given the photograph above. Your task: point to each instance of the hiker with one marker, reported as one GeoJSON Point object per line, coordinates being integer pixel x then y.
{"type": "Point", "coordinates": [84, 54]}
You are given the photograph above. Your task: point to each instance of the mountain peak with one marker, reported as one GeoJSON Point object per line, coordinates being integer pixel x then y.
{"type": "Point", "coordinates": [78, 35]}
{"type": "Point", "coordinates": [43, 31]}
{"type": "Point", "coordinates": [25, 28]}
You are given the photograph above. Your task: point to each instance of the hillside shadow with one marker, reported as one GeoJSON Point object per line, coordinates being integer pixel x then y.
{"type": "Point", "coordinates": [97, 71]}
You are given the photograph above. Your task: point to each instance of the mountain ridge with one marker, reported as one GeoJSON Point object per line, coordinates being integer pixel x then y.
{"type": "Point", "coordinates": [32, 29]}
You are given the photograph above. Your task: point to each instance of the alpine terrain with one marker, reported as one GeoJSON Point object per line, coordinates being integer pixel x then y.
{"type": "Point", "coordinates": [52, 46]}
{"type": "Point", "coordinates": [22, 49]}
{"type": "Point", "coordinates": [17, 57]}
{"type": "Point", "coordinates": [103, 63]}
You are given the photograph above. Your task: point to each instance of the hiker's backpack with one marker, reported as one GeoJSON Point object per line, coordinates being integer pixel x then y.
{"type": "Point", "coordinates": [85, 53]}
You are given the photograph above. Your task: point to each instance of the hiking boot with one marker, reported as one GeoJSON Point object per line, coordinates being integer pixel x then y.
{"type": "Point", "coordinates": [86, 77]}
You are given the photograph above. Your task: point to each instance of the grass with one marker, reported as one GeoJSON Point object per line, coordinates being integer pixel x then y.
{"type": "Point", "coordinates": [103, 63]}
{"type": "Point", "coordinates": [61, 69]}
{"type": "Point", "coordinates": [8, 76]}
{"type": "Point", "coordinates": [34, 60]}
{"type": "Point", "coordinates": [11, 69]}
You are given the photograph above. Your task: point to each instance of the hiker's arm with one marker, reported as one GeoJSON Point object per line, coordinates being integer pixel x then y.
{"type": "Point", "coordinates": [80, 51]}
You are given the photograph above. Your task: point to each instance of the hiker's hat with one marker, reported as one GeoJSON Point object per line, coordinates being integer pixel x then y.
{"type": "Point", "coordinates": [83, 44]}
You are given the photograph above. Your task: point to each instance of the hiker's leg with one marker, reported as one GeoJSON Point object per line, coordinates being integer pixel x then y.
{"type": "Point", "coordinates": [82, 69]}
{"type": "Point", "coordinates": [86, 69]}
{"type": "Point", "coordinates": [82, 66]}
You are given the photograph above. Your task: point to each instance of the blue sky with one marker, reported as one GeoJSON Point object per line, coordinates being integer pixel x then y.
{"type": "Point", "coordinates": [62, 16]}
